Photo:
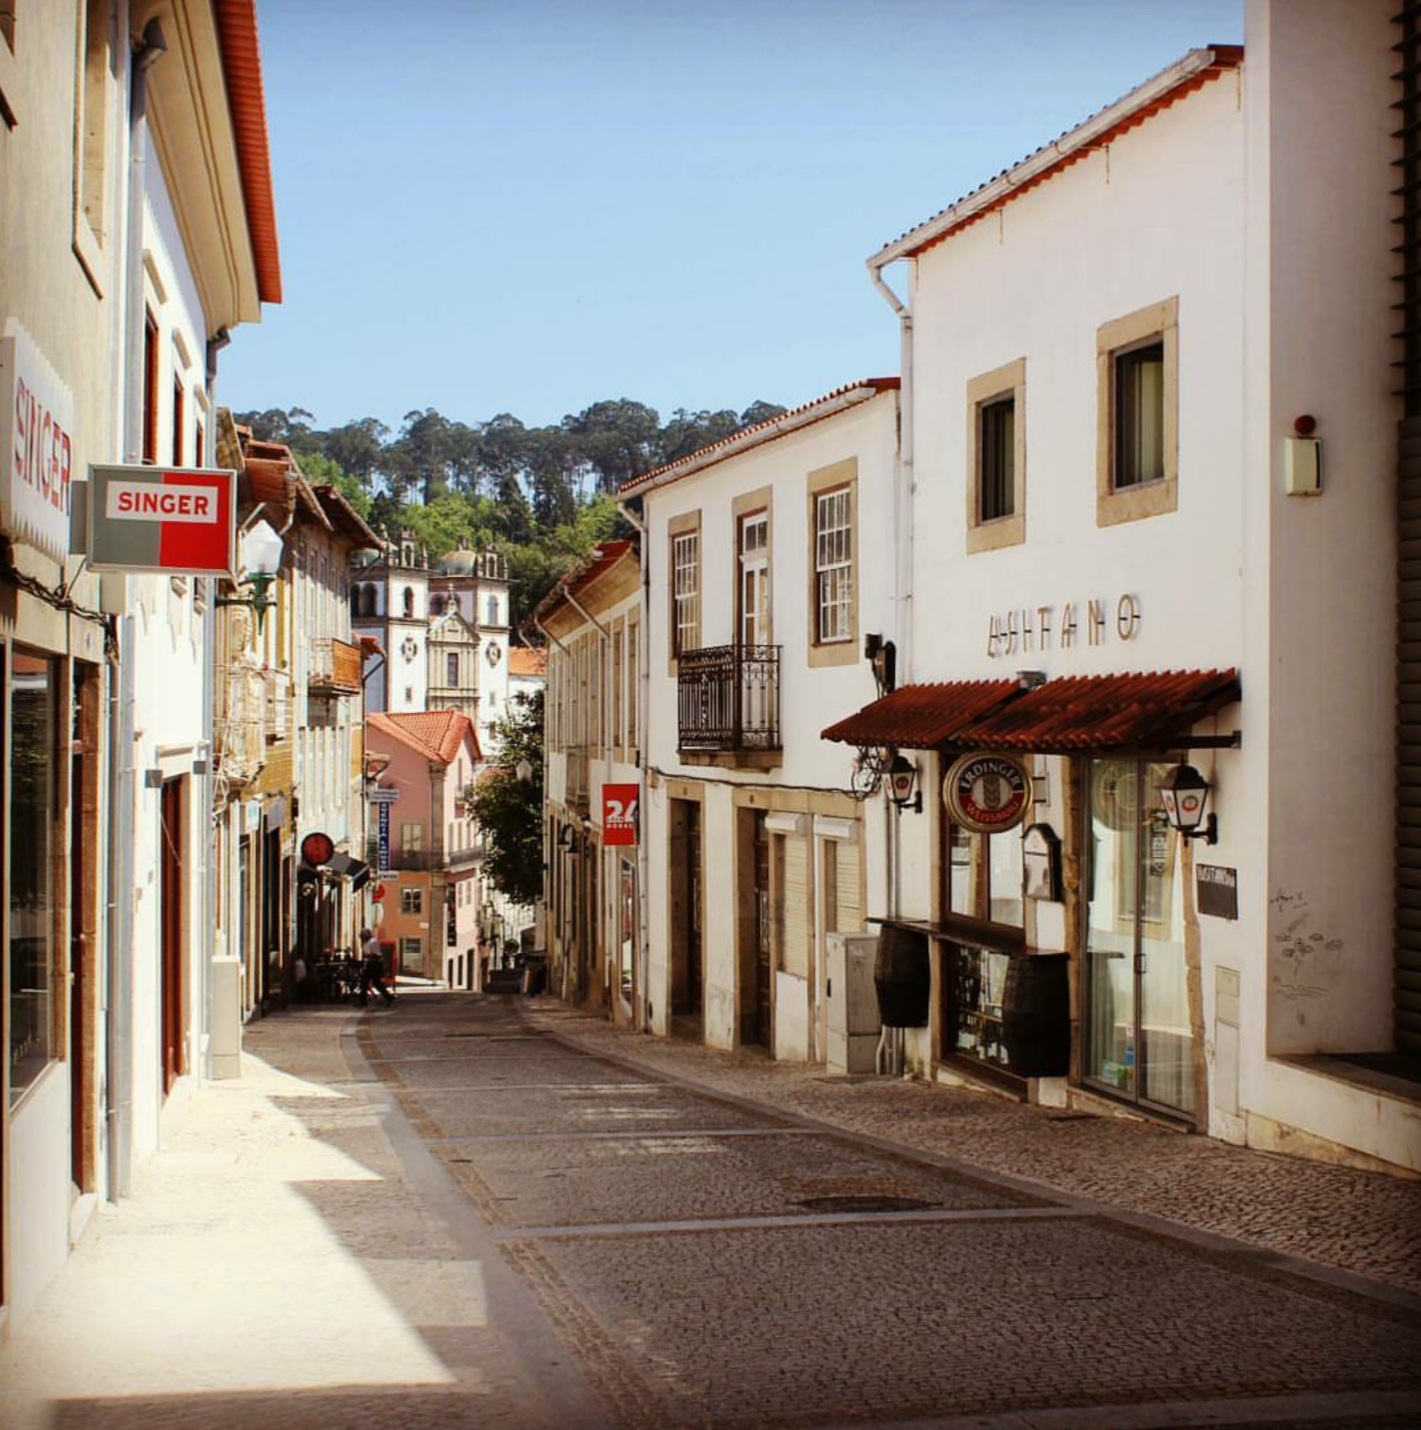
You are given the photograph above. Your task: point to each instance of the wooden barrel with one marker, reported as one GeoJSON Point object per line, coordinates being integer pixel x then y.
{"type": "Point", "coordinates": [902, 976]}
{"type": "Point", "coordinates": [1036, 1015]}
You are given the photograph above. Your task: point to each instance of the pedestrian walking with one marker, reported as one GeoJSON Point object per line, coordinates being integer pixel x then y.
{"type": "Point", "coordinates": [372, 969]}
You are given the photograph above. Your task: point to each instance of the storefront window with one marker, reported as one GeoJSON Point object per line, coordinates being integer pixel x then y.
{"type": "Point", "coordinates": [33, 785]}
{"type": "Point", "coordinates": [1139, 1040]}
{"type": "Point", "coordinates": [985, 875]}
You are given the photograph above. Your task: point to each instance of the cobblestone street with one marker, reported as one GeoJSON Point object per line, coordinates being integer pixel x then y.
{"type": "Point", "coordinates": [500, 1213]}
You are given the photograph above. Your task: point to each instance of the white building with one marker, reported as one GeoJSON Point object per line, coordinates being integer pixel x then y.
{"type": "Point", "coordinates": [389, 603]}
{"type": "Point", "coordinates": [593, 861]}
{"type": "Point", "coordinates": [138, 230]}
{"type": "Point", "coordinates": [768, 574]}
{"type": "Point", "coordinates": [1110, 350]}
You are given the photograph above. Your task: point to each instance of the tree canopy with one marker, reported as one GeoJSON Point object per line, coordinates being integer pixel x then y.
{"type": "Point", "coordinates": [509, 811]}
{"type": "Point", "coordinates": [542, 496]}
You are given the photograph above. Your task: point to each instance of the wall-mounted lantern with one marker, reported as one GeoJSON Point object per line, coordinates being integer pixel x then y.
{"type": "Point", "coordinates": [261, 561]}
{"type": "Point", "coordinates": [1185, 792]}
{"type": "Point", "coordinates": [903, 784]}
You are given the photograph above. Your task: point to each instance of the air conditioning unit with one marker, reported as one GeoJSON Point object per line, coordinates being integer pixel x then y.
{"type": "Point", "coordinates": [853, 1003]}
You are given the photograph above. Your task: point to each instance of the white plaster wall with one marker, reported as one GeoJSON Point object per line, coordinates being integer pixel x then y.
{"type": "Point", "coordinates": [809, 699]}
{"type": "Point", "coordinates": [1321, 571]}
{"type": "Point", "coordinates": [38, 1166]}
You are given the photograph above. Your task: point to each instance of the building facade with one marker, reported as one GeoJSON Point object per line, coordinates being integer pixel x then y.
{"type": "Point", "coordinates": [1176, 396]}
{"type": "Point", "coordinates": [595, 869]}
{"type": "Point", "coordinates": [768, 573]}
{"type": "Point", "coordinates": [135, 238]}
{"type": "Point", "coordinates": [425, 849]}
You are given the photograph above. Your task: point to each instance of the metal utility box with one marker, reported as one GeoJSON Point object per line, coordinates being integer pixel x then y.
{"type": "Point", "coordinates": [226, 1044]}
{"type": "Point", "coordinates": [853, 1003]}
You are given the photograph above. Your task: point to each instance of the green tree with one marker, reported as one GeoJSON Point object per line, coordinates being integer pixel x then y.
{"type": "Point", "coordinates": [322, 471]}
{"type": "Point", "coordinates": [509, 811]}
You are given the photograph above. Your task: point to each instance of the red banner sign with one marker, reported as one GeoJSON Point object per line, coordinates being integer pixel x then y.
{"type": "Point", "coordinates": [619, 813]}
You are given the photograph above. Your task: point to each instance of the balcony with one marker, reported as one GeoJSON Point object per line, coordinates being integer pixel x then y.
{"type": "Point", "coordinates": [335, 667]}
{"type": "Point", "coordinates": [728, 703]}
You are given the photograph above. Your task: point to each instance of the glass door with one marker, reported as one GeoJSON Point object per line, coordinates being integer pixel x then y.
{"type": "Point", "coordinates": [1138, 1040]}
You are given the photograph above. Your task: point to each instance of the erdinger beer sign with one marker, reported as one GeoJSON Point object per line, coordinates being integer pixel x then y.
{"type": "Point", "coordinates": [178, 520]}
{"type": "Point", "coordinates": [987, 794]}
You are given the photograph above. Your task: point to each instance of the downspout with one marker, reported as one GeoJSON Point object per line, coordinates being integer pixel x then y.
{"type": "Point", "coordinates": [118, 1058]}
{"type": "Point", "coordinates": [902, 551]}
{"type": "Point", "coordinates": [642, 695]}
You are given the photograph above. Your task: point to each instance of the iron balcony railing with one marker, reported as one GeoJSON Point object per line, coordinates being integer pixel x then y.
{"type": "Point", "coordinates": [728, 698]}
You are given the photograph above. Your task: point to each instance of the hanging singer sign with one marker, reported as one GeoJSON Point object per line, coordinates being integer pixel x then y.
{"type": "Point", "coordinates": [178, 520]}
{"type": "Point", "coordinates": [987, 794]}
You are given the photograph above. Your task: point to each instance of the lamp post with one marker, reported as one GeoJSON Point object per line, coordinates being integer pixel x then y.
{"type": "Point", "coordinates": [261, 562]}
{"type": "Point", "coordinates": [1185, 792]}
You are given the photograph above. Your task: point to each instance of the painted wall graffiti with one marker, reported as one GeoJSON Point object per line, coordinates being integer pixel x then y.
{"type": "Point", "coordinates": [1306, 963]}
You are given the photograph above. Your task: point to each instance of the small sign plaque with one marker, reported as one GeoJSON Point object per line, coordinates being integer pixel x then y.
{"type": "Point", "coordinates": [619, 811]}
{"type": "Point", "coordinates": [1217, 889]}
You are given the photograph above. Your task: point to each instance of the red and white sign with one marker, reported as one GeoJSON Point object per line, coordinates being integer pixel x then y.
{"type": "Point", "coordinates": [36, 446]}
{"type": "Point", "coordinates": [619, 813]}
{"type": "Point", "coordinates": [987, 794]}
{"type": "Point", "coordinates": [178, 520]}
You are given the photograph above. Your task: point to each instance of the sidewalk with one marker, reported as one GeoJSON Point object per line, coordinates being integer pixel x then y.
{"type": "Point", "coordinates": [277, 1263]}
{"type": "Point", "coordinates": [1367, 1223]}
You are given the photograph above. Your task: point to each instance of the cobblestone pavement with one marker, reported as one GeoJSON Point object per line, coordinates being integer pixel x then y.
{"type": "Point", "coordinates": [728, 1242]}
{"type": "Point", "coordinates": [1363, 1222]}
{"type": "Point", "coordinates": [498, 1213]}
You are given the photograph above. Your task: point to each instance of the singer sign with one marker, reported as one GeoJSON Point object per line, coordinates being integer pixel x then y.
{"type": "Point", "coordinates": [177, 520]}
{"type": "Point", "coordinates": [36, 446]}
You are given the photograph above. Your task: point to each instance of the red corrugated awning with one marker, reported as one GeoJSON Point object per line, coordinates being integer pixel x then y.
{"type": "Point", "coordinates": [1152, 711]}
{"type": "Point", "coordinates": [921, 717]}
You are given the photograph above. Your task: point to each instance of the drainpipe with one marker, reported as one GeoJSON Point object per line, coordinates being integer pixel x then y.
{"type": "Point", "coordinates": [119, 983]}
{"type": "Point", "coordinates": [642, 696]}
{"type": "Point", "coordinates": [902, 551]}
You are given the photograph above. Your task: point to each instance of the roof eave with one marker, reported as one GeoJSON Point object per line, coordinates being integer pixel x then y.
{"type": "Point", "coordinates": [1074, 142]}
{"type": "Point", "coordinates": [757, 436]}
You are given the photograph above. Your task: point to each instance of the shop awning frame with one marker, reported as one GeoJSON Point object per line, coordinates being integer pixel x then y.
{"type": "Point", "coordinates": [1145, 712]}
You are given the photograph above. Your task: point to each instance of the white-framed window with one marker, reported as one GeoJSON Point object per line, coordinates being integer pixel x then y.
{"type": "Point", "coordinates": [755, 578]}
{"type": "Point", "coordinates": [833, 566]}
{"type": "Point", "coordinates": [411, 837]}
{"type": "Point", "coordinates": [686, 592]}
{"type": "Point", "coordinates": [411, 901]}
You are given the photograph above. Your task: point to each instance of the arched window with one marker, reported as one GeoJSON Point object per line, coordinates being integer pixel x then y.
{"type": "Point", "coordinates": [409, 600]}
{"type": "Point", "coordinates": [492, 610]}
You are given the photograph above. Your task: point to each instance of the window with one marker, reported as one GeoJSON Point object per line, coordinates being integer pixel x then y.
{"type": "Point", "coordinates": [685, 591]}
{"type": "Point", "coordinates": [1139, 415]}
{"type": "Point", "coordinates": [1137, 444]}
{"type": "Point", "coordinates": [411, 837]}
{"type": "Point", "coordinates": [996, 441]}
{"type": "Point", "coordinates": [451, 662]}
{"type": "Point", "coordinates": [409, 601]}
{"type": "Point", "coordinates": [833, 564]}
{"type": "Point", "coordinates": [411, 901]}
{"type": "Point", "coordinates": [92, 100]}
{"type": "Point", "coordinates": [996, 458]}
{"type": "Point", "coordinates": [199, 444]}
{"type": "Point", "coordinates": [179, 418]}
{"type": "Point", "coordinates": [33, 789]}
{"type": "Point", "coordinates": [754, 579]}
{"type": "Point", "coordinates": [492, 618]}
{"type": "Point", "coordinates": [150, 388]}
{"type": "Point", "coordinates": [412, 955]}
{"type": "Point", "coordinates": [633, 688]}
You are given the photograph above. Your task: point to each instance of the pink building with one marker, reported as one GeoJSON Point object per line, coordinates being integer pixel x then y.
{"type": "Point", "coordinates": [424, 833]}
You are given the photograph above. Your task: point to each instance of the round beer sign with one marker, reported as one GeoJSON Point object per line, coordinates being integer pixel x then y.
{"type": "Point", "coordinates": [987, 794]}
{"type": "Point", "coordinates": [316, 849]}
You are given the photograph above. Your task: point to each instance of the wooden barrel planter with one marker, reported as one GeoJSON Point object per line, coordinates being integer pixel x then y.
{"type": "Point", "coordinates": [902, 976]}
{"type": "Point", "coordinates": [1036, 1015]}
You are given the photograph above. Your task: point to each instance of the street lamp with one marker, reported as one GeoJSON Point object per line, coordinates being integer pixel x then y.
{"type": "Point", "coordinates": [1185, 792]}
{"type": "Point", "coordinates": [261, 561]}
{"type": "Point", "coordinates": [524, 771]}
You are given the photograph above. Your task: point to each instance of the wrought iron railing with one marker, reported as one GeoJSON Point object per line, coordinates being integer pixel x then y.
{"type": "Point", "coordinates": [728, 698]}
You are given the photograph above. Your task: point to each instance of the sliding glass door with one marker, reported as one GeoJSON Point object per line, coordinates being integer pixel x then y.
{"type": "Point", "coordinates": [1138, 1041]}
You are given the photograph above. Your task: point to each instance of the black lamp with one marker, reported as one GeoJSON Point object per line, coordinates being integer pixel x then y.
{"type": "Point", "coordinates": [1185, 792]}
{"type": "Point", "coordinates": [902, 784]}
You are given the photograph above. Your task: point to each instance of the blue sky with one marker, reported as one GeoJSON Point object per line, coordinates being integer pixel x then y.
{"type": "Point", "coordinates": [526, 207]}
